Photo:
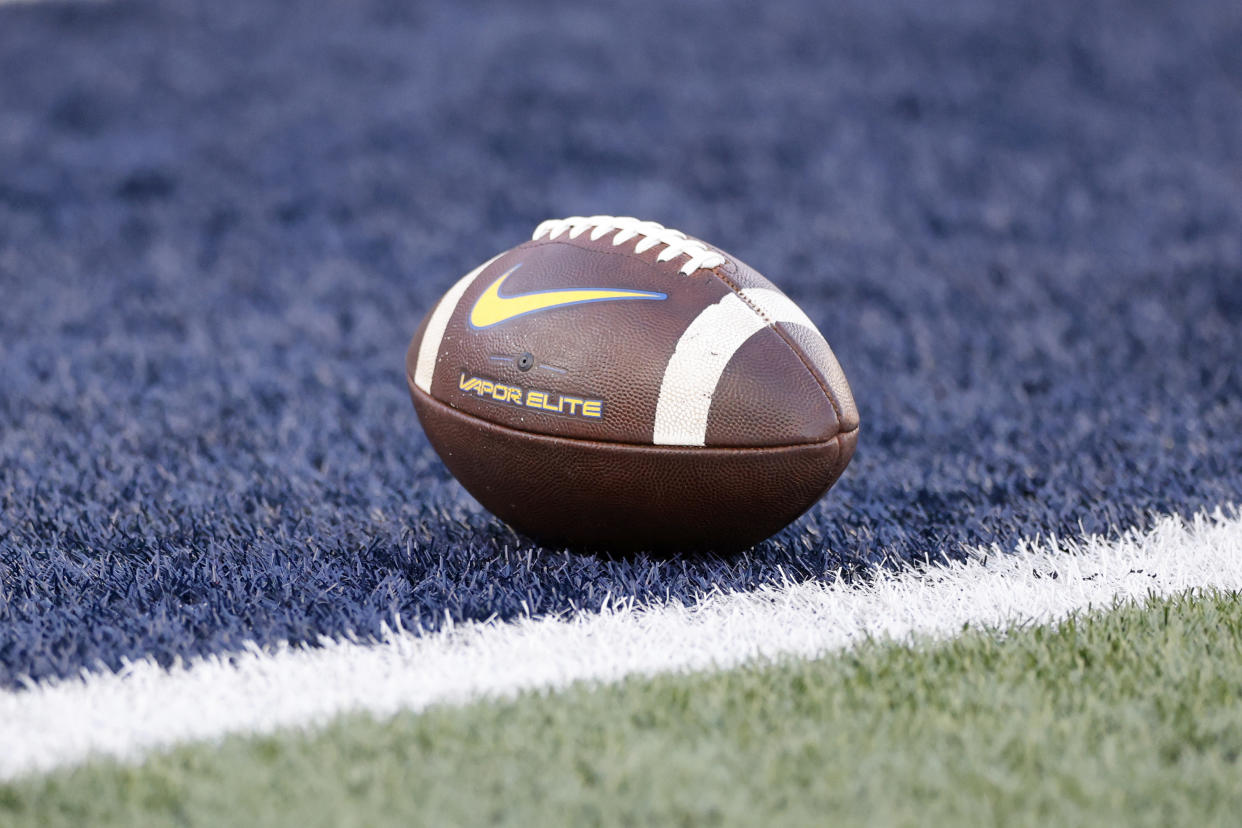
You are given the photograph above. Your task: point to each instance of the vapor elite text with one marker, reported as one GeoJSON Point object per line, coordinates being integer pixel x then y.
{"type": "Point", "coordinates": [530, 398]}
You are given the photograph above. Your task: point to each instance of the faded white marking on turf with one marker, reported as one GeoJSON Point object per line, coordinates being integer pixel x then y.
{"type": "Point", "coordinates": [144, 707]}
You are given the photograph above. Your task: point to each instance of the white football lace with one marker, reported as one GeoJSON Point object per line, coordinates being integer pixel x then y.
{"type": "Point", "coordinates": [649, 234]}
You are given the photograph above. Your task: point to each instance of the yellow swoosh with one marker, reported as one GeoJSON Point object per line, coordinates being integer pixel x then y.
{"type": "Point", "coordinates": [491, 308]}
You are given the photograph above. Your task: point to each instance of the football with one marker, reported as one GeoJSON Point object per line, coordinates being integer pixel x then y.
{"type": "Point", "coordinates": [614, 383]}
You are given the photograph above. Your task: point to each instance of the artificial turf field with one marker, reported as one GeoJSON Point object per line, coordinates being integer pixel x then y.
{"type": "Point", "coordinates": [221, 223]}
{"type": "Point", "coordinates": [1019, 225]}
{"type": "Point", "coordinates": [1126, 716]}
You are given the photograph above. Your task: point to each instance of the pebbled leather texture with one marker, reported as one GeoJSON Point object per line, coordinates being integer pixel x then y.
{"type": "Point", "coordinates": [611, 496]}
{"type": "Point", "coordinates": [780, 421]}
{"type": "Point", "coordinates": [617, 351]}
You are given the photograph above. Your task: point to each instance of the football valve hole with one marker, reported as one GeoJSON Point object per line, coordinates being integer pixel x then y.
{"type": "Point", "coordinates": [525, 362]}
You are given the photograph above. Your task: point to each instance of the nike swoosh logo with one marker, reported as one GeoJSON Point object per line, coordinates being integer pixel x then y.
{"type": "Point", "coordinates": [492, 307]}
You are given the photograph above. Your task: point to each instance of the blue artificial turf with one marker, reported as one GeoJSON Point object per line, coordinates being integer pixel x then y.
{"type": "Point", "coordinates": [1019, 225]}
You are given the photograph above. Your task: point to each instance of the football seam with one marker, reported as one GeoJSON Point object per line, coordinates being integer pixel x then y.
{"type": "Point", "coordinates": [615, 226]}
{"type": "Point", "coordinates": [645, 446]}
{"type": "Point", "coordinates": [620, 251]}
{"type": "Point", "coordinates": [788, 343]}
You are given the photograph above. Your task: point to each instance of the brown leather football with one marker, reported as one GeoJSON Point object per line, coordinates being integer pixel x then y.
{"type": "Point", "coordinates": [615, 383]}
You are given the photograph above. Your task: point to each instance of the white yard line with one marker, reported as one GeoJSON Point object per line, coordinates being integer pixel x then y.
{"type": "Point", "coordinates": [145, 707]}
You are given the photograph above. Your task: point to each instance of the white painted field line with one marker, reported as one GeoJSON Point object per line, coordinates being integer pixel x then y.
{"type": "Point", "coordinates": [144, 707]}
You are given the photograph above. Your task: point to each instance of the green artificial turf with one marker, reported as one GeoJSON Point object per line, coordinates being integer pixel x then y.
{"type": "Point", "coordinates": [1130, 716]}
